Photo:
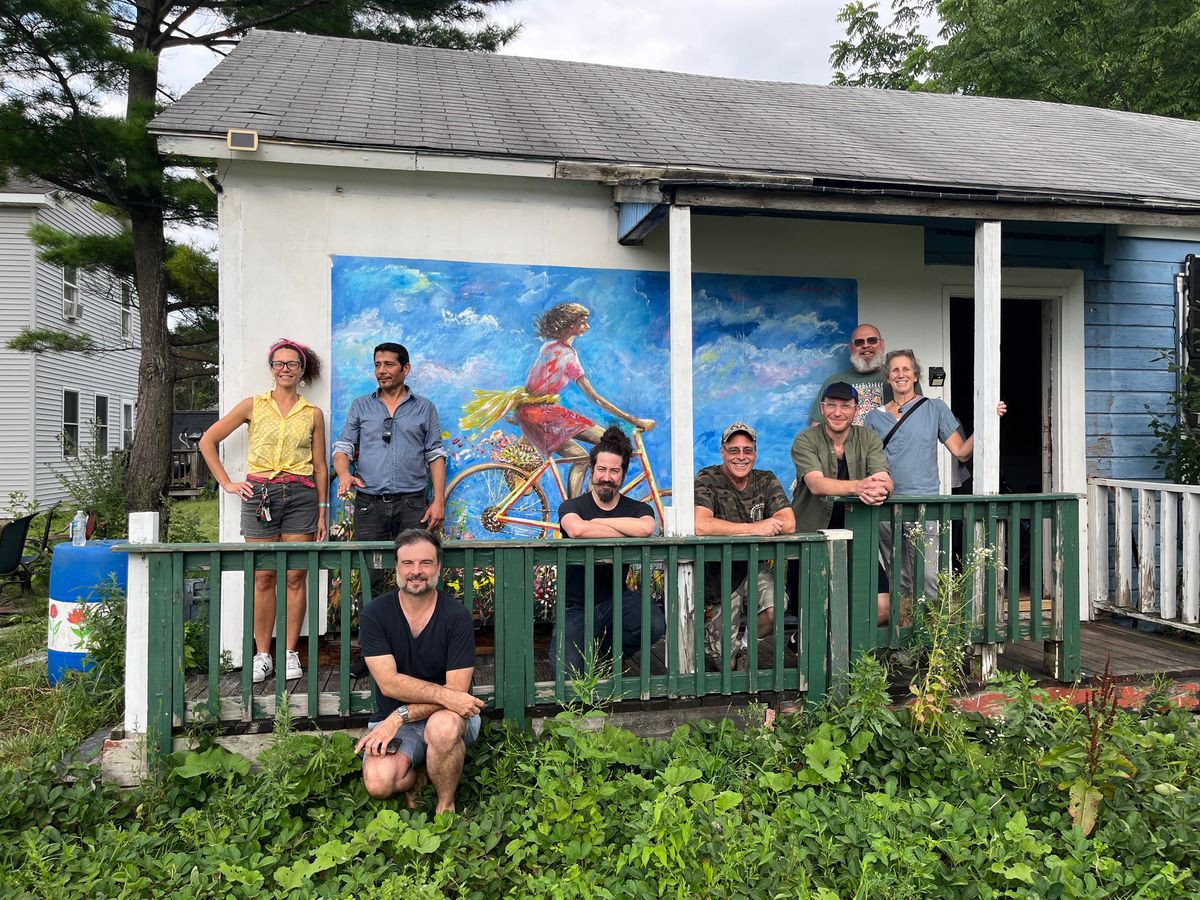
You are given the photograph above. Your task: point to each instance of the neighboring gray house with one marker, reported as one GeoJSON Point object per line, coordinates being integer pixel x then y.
{"type": "Point", "coordinates": [52, 404]}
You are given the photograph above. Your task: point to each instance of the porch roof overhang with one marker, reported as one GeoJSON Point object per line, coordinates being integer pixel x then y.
{"type": "Point", "coordinates": [643, 194]}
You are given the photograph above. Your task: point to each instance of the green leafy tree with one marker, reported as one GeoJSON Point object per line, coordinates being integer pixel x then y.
{"type": "Point", "coordinates": [1115, 54]}
{"type": "Point", "coordinates": [67, 67]}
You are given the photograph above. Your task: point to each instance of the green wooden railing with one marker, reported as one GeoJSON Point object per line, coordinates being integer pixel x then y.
{"type": "Point", "coordinates": [831, 584]}
{"type": "Point", "coordinates": [505, 607]}
{"type": "Point", "coordinates": [1035, 538]}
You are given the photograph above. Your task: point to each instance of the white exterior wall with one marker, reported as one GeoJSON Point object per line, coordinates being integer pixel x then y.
{"type": "Point", "coordinates": [279, 226]}
{"type": "Point", "coordinates": [112, 374]}
{"type": "Point", "coordinates": [281, 223]}
{"type": "Point", "coordinates": [16, 369]}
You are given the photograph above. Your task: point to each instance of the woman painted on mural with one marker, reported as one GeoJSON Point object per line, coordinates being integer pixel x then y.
{"type": "Point", "coordinates": [536, 407]}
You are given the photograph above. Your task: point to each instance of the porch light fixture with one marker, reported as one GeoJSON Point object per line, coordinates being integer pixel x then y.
{"type": "Point", "coordinates": [241, 139]}
{"type": "Point", "coordinates": [937, 376]}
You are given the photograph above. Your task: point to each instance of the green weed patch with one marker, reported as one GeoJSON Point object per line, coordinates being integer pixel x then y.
{"type": "Point", "coordinates": [847, 802]}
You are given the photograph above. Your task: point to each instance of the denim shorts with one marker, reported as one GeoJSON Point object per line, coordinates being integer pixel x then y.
{"type": "Point", "coordinates": [293, 510]}
{"type": "Point", "coordinates": [410, 739]}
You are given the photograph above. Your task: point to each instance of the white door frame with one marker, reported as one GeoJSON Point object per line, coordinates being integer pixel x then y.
{"type": "Point", "coordinates": [1063, 288]}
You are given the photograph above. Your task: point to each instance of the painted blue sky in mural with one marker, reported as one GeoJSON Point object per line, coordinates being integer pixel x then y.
{"type": "Point", "coordinates": [471, 325]}
{"type": "Point", "coordinates": [762, 344]}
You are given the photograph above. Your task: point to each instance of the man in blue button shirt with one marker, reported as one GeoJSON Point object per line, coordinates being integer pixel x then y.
{"type": "Point", "coordinates": [394, 439]}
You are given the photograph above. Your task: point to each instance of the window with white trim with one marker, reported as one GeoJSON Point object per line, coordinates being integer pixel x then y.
{"type": "Point", "coordinates": [126, 309]}
{"type": "Point", "coordinates": [70, 424]}
{"type": "Point", "coordinates": [72, 306]}
{"type": "Point", "coordinates": [100, 424]}
{"type": "Point", "coordinates": [126, 425]}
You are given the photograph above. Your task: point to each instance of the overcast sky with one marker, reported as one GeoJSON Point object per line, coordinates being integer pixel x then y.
{"type": "Point", "coordinates": [778, 40]}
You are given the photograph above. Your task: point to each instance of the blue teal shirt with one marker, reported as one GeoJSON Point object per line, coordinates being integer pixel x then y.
{"type": "Point", "coordinates": [912, 451]}
{"type": "Point", "coordinates": [398, 466]}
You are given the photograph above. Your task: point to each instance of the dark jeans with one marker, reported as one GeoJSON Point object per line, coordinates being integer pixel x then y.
{"type": "Point", "coordinates": [381, 518]}
{"type": "Point", "coordinates": [575, 653]}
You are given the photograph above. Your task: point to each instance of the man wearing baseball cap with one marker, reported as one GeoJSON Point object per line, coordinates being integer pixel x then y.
{"type": "Point", "coordinates": [835, 460]}
{"type": "Point", "coordinates": [735, 498]}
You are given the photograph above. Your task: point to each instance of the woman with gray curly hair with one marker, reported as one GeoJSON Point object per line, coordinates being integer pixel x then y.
{"type": "Point", "coordinates": [911, 427]}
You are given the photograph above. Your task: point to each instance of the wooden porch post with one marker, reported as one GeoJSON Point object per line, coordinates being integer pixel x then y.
{"type": "Point", "coordinates": [682, 520]}
{"type": "Point", "coordinates": [987, 357]}
{"type": "Point", "coordinates": [143, 529]}
{"type": "Point", "coordinates": [987, 424]}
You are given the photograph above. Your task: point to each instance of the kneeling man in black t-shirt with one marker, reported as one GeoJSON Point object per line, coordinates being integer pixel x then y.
{"type": "Point", "coordinates": [420, 647]}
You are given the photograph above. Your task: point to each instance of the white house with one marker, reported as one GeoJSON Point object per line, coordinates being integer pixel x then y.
{"type": "Point", "coordinates": [54, 403]}
{"type": "Point", "coordinates": [1025, 248]}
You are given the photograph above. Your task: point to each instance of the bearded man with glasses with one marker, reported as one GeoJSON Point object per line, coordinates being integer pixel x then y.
{"type": "Point", "coordinates": [393, 439]}
{"type": "Point", "coordinates": [865, 374]}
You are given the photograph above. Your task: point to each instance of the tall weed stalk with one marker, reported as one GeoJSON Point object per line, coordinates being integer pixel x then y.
{"type": "Point", "coordinates": [943, 634]}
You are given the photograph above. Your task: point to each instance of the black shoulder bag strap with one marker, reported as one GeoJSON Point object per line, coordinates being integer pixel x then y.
{"type": "Point", "coordinates": [912, 409]}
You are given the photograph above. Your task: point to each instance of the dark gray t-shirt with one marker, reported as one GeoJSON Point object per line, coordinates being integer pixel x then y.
{"type": "Point", "coordinates": [912, 451]}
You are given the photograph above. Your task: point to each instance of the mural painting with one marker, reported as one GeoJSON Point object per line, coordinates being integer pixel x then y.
{"type": "Point", "coordinates": [762, 346]}
{"type": "Point", "coordinates": [527, 364]}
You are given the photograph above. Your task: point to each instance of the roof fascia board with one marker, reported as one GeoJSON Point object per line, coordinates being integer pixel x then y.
{"type": "Point", "coordinates": [24, 199]}
{"type": "Point", "coordinates": [799, 201]}
{"type": "Point", "coordinates": [630, 175]}
{"type": "Point", "coordinates": [1161, 234]}
{"type": "Point", "coordinates": [213, 147]}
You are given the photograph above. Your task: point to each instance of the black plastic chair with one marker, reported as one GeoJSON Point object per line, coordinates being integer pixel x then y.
{"type": "Point", "coordinates": [16, 564]}
{"type": "Point", "coordinates": [12, 549]}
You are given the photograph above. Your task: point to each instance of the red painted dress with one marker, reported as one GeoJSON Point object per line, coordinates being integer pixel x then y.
{"type": "Point", "coordinates": [547, 425]}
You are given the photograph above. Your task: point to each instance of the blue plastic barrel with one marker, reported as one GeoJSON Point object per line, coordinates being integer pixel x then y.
{"type": "Point", "coordinates": [76, 577]}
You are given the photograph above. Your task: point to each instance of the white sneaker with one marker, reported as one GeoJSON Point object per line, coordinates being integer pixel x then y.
{"type": "Point", "coordinates": [263, 667]}
{"type": "Point", "coordinates": [293, 665]}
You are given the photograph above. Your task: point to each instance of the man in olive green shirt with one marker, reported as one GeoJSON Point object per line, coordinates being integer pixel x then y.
{"type": "Point", "coordinates": [834, 459]}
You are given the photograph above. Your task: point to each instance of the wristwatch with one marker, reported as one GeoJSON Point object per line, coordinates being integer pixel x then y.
{"type": "Point", "coordinates": [403, 710]}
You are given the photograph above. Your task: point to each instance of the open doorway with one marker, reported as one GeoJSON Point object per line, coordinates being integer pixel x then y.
{"type": "Point", "coordinates": [1024, 368]}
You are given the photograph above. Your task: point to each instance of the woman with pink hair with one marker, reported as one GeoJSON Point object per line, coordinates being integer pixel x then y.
{"type": "Point", "coordinates": [284, 494]}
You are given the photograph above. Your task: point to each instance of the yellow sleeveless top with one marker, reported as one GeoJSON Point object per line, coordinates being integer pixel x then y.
{"type": "Point", "coordinates": [280, 444]}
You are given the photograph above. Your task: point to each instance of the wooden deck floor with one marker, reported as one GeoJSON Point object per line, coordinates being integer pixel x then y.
{"type": "Point", "coordinates": [1130, 653]}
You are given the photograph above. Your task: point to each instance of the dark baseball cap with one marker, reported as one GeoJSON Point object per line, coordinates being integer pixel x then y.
{"type": "Point", "coordinates": [840, 390]}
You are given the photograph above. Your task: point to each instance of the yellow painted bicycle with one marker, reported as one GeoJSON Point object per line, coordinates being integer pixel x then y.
{"type": "Point", "coordinates": [502, 500]}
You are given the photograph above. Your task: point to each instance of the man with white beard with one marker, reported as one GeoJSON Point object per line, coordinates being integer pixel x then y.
{"type": "Point", "coordinates": [865, 374]}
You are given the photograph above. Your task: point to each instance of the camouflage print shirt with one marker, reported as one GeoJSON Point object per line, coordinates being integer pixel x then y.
{"type": "Point", "coordinates": [762, 498]}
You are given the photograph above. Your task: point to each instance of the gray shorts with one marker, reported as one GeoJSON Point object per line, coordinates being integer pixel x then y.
{"type": "Point", "coordinates": [293, 510]}
{"type": "Point", "coordinates": [410, 739]}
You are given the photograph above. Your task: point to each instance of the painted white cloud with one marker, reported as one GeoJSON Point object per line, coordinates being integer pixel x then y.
{"type": "Point", "coordinates": [468, 318]}
{"type": "Point", "coordinates": [782, 377]}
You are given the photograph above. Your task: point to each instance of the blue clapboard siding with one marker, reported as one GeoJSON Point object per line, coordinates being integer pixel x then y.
{"type": "Point", "coordinates": [1129, 321]}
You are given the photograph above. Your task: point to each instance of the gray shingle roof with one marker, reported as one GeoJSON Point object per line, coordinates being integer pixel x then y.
{"type": "Point", "coordinates": [13, 184]}
{"type": "Point", "coordinates": [364, 94]}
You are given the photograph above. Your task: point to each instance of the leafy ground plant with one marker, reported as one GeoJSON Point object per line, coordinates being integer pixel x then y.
{"type": "Point", "coordinates": [942, 636]}
{"type": "Point", "coordinates": [841, 801]}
